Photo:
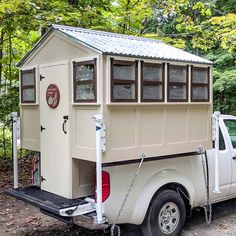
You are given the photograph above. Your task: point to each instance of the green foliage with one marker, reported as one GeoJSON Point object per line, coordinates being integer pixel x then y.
{"type": "Point", "coordinates": [21, 23]}
{"type": "Point", "coordinates": [204, 27]}
{"type": "Point", "coordinates": [8, 151]}
{"type": "Point", "coordinates": [225, 92]}
{"type": "Point", "coordinates": [128, 16]}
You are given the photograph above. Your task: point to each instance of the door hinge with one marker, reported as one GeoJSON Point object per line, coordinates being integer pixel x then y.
{"type": "Point", "coordinates": [42, 128]}
{"type": "Point", "coordinates": [41, 77]}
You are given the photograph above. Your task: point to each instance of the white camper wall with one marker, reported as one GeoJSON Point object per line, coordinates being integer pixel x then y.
{"type": "Point", "coordinates": [154, 128]}
{"type": "Point", "coordinates": [63, 175]}
{"type": "Point", "coordinates": [84, 129]}
{"type": "Point", "coordinates": [30, 127]}
{"type": "Point", "coordinates": [55, 48]}
{"type": "Point", "coordinates": [30, 115]}
{"type": "Point", "coordinates": [83, 133]}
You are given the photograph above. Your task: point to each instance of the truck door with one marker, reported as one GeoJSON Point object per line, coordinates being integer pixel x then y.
{"type": "Point", "coordinates": [224, 166]}
{"type": "Point", "coordinates": [230, 125]}
{"type": "Point", "coordinates": [54, 139]}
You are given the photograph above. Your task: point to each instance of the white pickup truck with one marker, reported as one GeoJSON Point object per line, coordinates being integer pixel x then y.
{"type": "Point", "coordinates": [157, 194]}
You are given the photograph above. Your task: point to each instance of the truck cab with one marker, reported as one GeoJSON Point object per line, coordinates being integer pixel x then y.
{"type": "Point", "coordinates": [227, 159]}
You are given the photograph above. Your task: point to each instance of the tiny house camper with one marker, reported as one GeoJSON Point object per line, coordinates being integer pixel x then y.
{"type": "Point", "coordinates": [153, 99]}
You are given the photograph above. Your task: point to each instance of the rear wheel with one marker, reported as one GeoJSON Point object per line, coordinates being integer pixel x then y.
{"type": "Point", "coordinates": [166, 215]}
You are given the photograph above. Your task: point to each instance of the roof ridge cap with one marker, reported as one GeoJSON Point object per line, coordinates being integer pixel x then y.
{"type": "Point", "coordinates": [105, 33]}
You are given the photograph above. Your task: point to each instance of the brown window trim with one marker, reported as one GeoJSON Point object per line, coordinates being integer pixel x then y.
{"type": "Point", "coordinates": [94, 81]}
{"type": "Point", "coordinates": [22, 72]}
{"type": "Point", "coordinates": [176, 83]}
{"type": "Point", "coordinates": [200, 84]}
{"type": "Point", "coordinates": [122, 82]}
{"type": "Point", "coordinates": [153, 83]}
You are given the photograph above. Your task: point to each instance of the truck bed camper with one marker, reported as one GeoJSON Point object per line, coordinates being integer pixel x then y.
{"type": "Point", "coordinates": [105, 110]}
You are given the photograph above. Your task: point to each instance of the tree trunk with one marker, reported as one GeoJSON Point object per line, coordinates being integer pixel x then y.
{"type": "Point", "coordinates": [1, 57]}
{"type": "Point", "coordinates": [4, 141]}
{"type": "Point", "coordinates": [74, 3]}
{"type": "Point", "coordinates": [10, 61]}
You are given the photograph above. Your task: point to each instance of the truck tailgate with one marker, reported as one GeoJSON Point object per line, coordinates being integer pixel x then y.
{"type": "Point", "coordinates": [44, 200]}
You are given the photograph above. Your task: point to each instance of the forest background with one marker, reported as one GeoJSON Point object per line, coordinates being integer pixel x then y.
{"type": "Point", "coordinates": [205, 28]}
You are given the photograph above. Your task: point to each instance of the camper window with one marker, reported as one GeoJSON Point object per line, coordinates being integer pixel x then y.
{"type": "Point", "coordinates": [28, 86]}
{"type": "Point", "coordinates": [177, 83]}
{"type": "Point", "coordinates": [124, 81]}
{"type": "Point", "coordinates": [200, 84]}
{"type": "Point", "coordinates": [84, 75]}
{"type": "Point", "coordinates": [152, 77]}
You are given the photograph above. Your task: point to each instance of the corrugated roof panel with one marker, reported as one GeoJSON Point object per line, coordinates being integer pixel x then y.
{"type": "Point", "coordinates": [125, 45]}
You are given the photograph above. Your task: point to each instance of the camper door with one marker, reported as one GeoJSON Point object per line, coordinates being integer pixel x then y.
{"type": "Point", "coordinates": [54, 121]}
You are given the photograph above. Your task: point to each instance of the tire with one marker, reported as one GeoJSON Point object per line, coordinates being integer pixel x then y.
{"type": "Point", "coordinates": [166, 215]}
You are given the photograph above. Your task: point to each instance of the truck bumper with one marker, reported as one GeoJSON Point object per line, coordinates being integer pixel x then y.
{"type": "Point", "coordinates": [76, 211]}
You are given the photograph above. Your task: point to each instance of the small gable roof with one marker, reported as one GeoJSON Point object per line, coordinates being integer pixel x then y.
{"type": "Point", "coordinates": [121, 45]}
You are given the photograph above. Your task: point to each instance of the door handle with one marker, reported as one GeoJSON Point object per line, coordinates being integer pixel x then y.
{"type": "Point", "coordinates": [234, 157]}
{"type": "Point", "coordinates": [64, 124]}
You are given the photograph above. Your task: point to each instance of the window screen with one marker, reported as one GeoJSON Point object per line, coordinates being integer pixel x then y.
{"type": "Point", "coordinates": [177, 83]}
{"type": "Point", "coordinates": [152, 87]}
{"type": "Point", "coordinates": [85, 81]}
{"type": "Point", "coordinates": [123, 81]}
{"type": "Point", "coordinates": [28, 91]}
{"type": "Point", "coordinates": [200, 84]}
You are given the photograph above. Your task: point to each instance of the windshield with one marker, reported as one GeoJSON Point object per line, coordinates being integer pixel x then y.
{"type": "Point", "coordinates": [231, 127]}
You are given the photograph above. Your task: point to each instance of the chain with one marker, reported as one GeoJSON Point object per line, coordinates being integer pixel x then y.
{"type": "Point", "coordinates": [126, 197]}
{"type": "Point", "coordinates": [208, 207]}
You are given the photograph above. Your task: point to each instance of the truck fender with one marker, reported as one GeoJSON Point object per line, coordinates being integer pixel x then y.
{"type": "Point", "coordinates": [152, 185]}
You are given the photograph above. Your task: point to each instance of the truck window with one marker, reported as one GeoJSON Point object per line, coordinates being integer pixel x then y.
{"type": "Point", "coordinates": [221, 141]}
{"type": "Point", "coordinates": [231, 127]}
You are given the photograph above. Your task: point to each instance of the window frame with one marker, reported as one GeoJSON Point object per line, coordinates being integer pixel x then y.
{"type": "Point", "coordinates": [123, 82]}
{"type": "Point", "coordinates": [153, 83]}
{"type": "Point", "coordinates": [93, 81]}
{"type": "Point", "coordinates": [207, 85]}
{"type": "Point", "coordinates": [22, 72]}
{"type": "Point", "coordinates": [228, 133]}
{"type": "Point", "coordinates": [169, 66]}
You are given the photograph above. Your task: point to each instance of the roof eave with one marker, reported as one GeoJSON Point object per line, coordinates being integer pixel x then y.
{"type": "Point", "coordinates": [158, 58]}
{"type": "Point", "coordinates": [45, 36]}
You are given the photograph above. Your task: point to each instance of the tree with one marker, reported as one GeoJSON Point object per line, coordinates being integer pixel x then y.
{"type": "Point", "coordinates": [129, 16]}
{"type": "Point", "coordinates": [21, 23]}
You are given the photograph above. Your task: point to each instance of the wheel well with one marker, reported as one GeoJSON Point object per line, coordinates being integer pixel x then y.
{"type": "Point", "coordinates": [179, 189]}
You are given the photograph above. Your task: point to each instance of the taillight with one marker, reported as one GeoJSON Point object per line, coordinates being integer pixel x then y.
{"type": "Point", "coordinates": [105, 186]}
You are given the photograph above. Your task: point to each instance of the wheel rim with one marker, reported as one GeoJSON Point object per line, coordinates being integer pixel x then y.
{"type": "Point", "coordinates": [169, 218]}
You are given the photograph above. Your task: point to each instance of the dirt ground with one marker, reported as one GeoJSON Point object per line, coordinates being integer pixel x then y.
{"type": "Point", "coordinates": [18, 218]}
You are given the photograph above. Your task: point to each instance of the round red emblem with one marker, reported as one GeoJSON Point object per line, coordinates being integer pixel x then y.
{"type": "Point", "coordinates": [52, 96]}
